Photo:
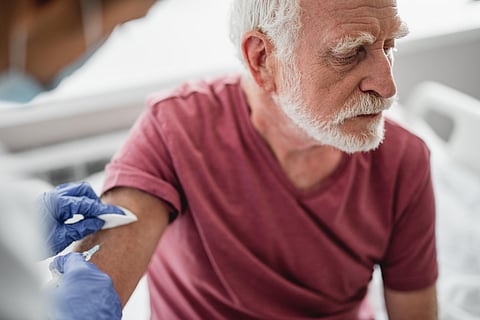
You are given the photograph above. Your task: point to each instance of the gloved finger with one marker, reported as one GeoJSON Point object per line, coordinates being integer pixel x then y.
{"type": "Point", "coordinates": [84, 206]}
{"type": "Point", "coordinates": [77, 189]}
{"type": "Point", "coordinates": [52, 204]}
{"type": "Point", "coordinates": [74, 264]}
{"type": "Point", "coordinates": [82, 228]}
{"type": "Point", "coordinates": [60, 263]}
{"type": "Point", "coordinates": [57, 264]}
{"type": "Point", "coordinates": [62, 207]}
{"type": "Point", "coordinates": [57, 239]}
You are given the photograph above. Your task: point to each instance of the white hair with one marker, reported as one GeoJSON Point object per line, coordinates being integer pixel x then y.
{"type": "Point", "coordinates": [279, 20]}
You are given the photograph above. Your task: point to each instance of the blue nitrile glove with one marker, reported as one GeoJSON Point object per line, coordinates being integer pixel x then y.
{"type": "Point", "coordinates": [82, 291]}
{"type": "Point", "coordinates": [66, 200]}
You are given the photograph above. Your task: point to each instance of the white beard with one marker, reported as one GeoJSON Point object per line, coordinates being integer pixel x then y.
{"type": "Point", "coordinates": [328, 131]}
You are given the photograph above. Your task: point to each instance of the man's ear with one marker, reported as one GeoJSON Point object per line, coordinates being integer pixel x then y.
{"type": "Point", "coordinates": [258, 54]}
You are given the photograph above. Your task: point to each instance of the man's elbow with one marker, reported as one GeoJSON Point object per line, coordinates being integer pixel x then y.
{"type": "Point", "coordinates": [412, 305]}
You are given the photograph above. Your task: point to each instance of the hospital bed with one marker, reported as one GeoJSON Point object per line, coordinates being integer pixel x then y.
{"type": "Point", "coordinates": [456, 174]}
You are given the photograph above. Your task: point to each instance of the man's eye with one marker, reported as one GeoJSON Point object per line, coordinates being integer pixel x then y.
{"type": "Point", "coordinates": [352, 57]}
{"type": "Point", "coordinates": [347, 59]}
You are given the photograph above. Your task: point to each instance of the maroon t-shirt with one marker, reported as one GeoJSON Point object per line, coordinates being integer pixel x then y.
{"type": "Point", "coordinates": [245, 243]}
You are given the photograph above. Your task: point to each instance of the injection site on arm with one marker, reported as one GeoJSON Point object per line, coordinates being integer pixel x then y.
{"type": "Point", "coordinates": [118, 243]}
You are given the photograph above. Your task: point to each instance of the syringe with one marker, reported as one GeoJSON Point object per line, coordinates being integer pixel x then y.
{"type": "Point", "coordinates": [57, 276]}
{"type": "Point", "coordinates": [89, 253]}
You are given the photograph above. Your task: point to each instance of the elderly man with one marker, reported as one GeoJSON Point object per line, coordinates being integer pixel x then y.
{"type": "Point", "coordinates": [272, 195]}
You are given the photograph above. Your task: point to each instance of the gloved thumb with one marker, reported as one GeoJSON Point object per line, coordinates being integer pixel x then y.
{"type": "Point", "coordinates": [57, 264]}
{"type": "Point", "coordinates": [61, 263]}
{"type": "Point", "coordinates": [82, 228]}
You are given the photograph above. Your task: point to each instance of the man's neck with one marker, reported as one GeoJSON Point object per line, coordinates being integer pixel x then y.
{"type": "Point", "coordinates": [305, 162]}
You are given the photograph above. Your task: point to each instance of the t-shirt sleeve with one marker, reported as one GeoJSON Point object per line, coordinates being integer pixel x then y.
{"type": "Point", "coordinates": [411, 261]}
{"type": "Point", "coordinates": [144, 162]}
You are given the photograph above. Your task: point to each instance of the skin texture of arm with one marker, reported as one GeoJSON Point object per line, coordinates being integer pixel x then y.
{"type": "Point", "coordinates": [413, 305]}
{"type": "Point", "coordinates": [126, 251]}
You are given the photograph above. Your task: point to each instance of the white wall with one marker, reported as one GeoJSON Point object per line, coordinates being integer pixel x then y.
{"type": "Point", "coordinates": [444, 45]}
{"type": "Point", "coordinates": [452, 59]}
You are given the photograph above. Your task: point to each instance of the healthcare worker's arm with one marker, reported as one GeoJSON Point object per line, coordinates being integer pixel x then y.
{"type": "Point", "coordinates": [126, 251]}
{"type": "Point", "coordinates": [412, 305]}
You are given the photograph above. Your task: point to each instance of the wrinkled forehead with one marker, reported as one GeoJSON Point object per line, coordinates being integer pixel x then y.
{"type": "Point", "coordinates": [339, 18]}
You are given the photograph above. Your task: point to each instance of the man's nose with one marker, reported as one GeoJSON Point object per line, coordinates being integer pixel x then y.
{"type": "Point", "coordinates": [379, 76]}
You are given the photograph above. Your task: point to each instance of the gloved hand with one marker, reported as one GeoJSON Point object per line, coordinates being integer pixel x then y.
{"type": "Point", "coordinates": [61, 204]}
{"type": "Point", "coordinates": [83, 291]}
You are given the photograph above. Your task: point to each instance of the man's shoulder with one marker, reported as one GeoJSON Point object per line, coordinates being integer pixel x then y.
{"type": "Point", "coordinates": [402, 149]}
{"type": "Point", "coordinates": [195, 105]}
{"type": "Point", "coordinates": [200, 90]}
{"type": "Point", "coordinates": [398, 137]}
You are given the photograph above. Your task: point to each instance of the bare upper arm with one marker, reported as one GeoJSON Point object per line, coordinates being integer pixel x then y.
{"type": "Point", "coordinates": [412, 305]}
{"type": "Point", "coordinates": [126, 251]}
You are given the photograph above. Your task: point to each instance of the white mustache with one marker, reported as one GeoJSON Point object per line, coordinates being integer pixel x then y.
{"type": "Point", "coordinates": [364, 104]}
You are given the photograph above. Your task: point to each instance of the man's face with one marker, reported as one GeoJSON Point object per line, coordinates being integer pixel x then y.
{"type": "Point", "coordinates": [340, 80]}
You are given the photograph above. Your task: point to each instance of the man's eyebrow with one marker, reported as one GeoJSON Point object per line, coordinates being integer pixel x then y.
{"type": "Point", "coordinates": [402, 31]}
{"type": "Point", "coordinates": [350, 42]}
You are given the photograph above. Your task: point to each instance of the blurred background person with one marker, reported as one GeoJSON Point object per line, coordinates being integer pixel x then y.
{"type": "Point", "coordinates": [43, 41]}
